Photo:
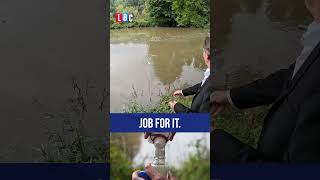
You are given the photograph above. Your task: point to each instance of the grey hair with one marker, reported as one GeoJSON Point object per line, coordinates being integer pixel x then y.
{"type": "Point", "coordinates": [206, 45]}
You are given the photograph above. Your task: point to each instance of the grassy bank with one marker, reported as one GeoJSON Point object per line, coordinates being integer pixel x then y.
{"type": "Point", "coordinates": [161, 107]}
{"type": "Point", "coordinates": [245, 125]}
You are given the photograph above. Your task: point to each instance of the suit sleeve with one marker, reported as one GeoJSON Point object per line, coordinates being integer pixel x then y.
{"type": "Point", "coordinates": [261, 92]}
{"type": "Point", "coordinates": [180, 108]}
{"type": "Point", "coordinates": [305, 142]}
{"type": "Point", "coordinates": [191, 90]}
{"type": "Point", "coordinates": [204, 108]}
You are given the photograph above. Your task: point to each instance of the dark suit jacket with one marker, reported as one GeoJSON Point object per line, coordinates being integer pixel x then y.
{"type": "Point", "coordinates": [200, 101]}
{"type": "Point", "coordinates": [291, 129]}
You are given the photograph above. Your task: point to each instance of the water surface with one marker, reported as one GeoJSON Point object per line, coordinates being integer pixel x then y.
{"type": "Point", "coordinates": [145, 60]}
{"type": "Point", "coordinates": [255, 38]}
{"type": "Point", "coordinates": [46, 47]}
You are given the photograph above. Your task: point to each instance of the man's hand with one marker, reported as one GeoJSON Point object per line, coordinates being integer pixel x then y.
{"type": "Point", "coordinates": [178, 93]}
{"type": "Point", "coordinates": [135, 176]}
{"type": "Point", "coordinates": [146, 135]}
{"type": "Point", "coordinates": [152, 173]}
{"type": "Point", "coordinates": [172, 104]}
{"type": "Point", "coordinates": [218, 102]}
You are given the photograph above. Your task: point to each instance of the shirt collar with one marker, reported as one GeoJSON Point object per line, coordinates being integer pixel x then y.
{"type": "Point", "coordinates": [207, 72]}
{"type": "Point", "coordinates": [312, 36]}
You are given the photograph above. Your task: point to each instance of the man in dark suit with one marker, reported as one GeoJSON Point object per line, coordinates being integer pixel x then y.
{"type": "Point", "coordinates": [201, 91]}
{"type": "Point", "coordinates": [291, 129]}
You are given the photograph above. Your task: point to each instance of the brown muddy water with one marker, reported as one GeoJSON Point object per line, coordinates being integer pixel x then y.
{"type": "Point", "coordinates": [145, 60]}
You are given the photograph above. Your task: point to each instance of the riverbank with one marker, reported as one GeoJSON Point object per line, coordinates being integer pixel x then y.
{"type": "Point", "coordinates": [245, 125]}
{"type": "Point", "coordinates": [161, 107]}
{"type": "Point", "coordinates": [138, 23]}
{"type": "Point", "coordinates": [141, 23]}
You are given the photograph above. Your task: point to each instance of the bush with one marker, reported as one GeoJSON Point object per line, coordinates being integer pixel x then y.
{"type": "Point", "coordinates": [120, 164]}
{"type": "Point", "coordinates": [168, 13]}
{"type": "Point", "coordinates": [191, 13]}
{"type": "Point", "coordinates": [160, 12]}
{"type": "Point", "coordinates": [197, 166]}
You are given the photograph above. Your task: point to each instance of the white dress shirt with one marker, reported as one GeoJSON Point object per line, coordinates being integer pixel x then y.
{"type": "Point", "coordinates": [309, 40]}
{"type": "Point", "coordinates": [206, 75]}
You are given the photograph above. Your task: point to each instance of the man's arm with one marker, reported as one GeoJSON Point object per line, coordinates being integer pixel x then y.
{"type": "Point", "coordinates": [305, 142]}
{"type": "Point", "coordinates": [191, 90]}
{"type": "Point", "coordinates": [180, 108]}
{"type": "Point", "coordinates": [260, 92]}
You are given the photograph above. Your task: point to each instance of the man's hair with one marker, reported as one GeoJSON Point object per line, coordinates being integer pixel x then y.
{"type": "Point", "coordinates": [206, 45]}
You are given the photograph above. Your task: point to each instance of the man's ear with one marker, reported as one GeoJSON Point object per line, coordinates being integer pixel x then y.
{"type": "Point", "coordinates": [208, 56]}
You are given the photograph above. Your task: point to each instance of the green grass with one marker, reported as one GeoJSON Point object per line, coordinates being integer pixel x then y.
{"type": "Point", "coordinates": [244, 125]}
{"type": "Point", "coordinates": [67, 141]}
{"type": "Point", "coordinates": [161, 107]}
{"type": "Point", "coordinates": [197, 166]}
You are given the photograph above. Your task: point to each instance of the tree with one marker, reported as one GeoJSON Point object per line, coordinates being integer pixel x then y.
{"type": "Point", "coordinates": [160, 12]}
{"type": "Point", "coordinates": [191, 13]}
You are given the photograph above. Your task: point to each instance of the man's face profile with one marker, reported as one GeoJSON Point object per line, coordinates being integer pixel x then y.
{"type": "Point", "coordinates": [314, 8]}
{"type": "Point", "coordinates": [206, 57]}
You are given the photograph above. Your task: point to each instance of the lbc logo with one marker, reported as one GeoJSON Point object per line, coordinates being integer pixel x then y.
{"type": "Point", "coordinates": [124, 17]}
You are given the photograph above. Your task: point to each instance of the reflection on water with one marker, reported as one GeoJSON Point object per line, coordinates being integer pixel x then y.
{"type": "Point", "coordinates": [255, 38]}
{"type": "Point", "coordinates": [147, 59]}
{"type": "Point", "coordinates": [177, 151]}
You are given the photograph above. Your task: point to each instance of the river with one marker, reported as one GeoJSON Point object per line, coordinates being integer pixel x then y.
{"type": "Point", "coordinates": [146, 60]}
{"type": "Point", "coordinates": [143, 61]}
{"type": "Point", "coordinates": [252, 39]}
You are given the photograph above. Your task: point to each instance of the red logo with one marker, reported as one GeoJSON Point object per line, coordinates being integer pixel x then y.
{"type": "Point", "coordinates": [124, 17]}
{"type": "Point", "coordinates": [118, 17]}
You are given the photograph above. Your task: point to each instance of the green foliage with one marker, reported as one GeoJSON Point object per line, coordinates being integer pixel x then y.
{"type": "Point", "coordinates": [197, 166]}
{"type": "Point", "coordinates": [161, 107]}
{"type": "Point", "coordinates": [132, 7]}
{"type": "Point", "coordinates": [160, 12]}
{"type": "Point", "coordinates": [121, 165]}
{"type": "Point", "coordinates": [194, 168]}
{"type": "Point", "coordinates": [169, 13]}
{"type": "Point", "coordinates": [191, 13]}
